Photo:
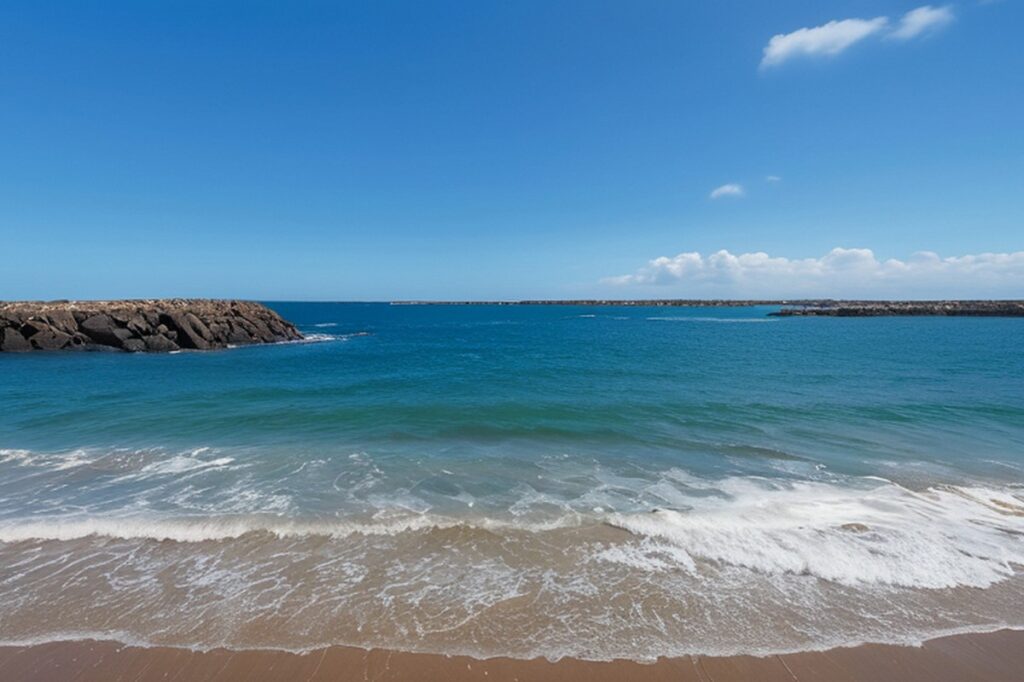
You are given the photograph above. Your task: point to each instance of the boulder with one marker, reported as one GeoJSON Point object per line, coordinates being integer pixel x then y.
{"type": "Point", "coordinates": [102, 330]}
{"type": "Point", "coordinates": [62, 320]}
{"type": "Point", "coordinates": [139, 325]}
{"type": "Point", "coordinates": [34, 326]}
{"type": "Point", "coordinates": [188, 336]}
{"type": "Point", "coordinates": [13, 341]}
{"type": "Point", "coordinates": [50, 339]}
{"type": "Point", "coordinates": [134, 345]}
{"type": "Point", "coordinates": [238, 336]}
{"type": "Point", "coordinates": [159, 343]}
{"type": "Point", "coordinates": [198, 326]}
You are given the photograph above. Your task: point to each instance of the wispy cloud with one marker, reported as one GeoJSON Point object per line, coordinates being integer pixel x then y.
{"type": "Point", "coordinates": [826, 40]}
{"type": "Point", "coordinates": [839, 35]}
{"type": "Point", "coordinates": [841, 272]}
{"type": "Point", "coordinates": [729, 190]}
{"type": "Point", "coordinates": [922, 20]}
{"type": "Point", "coordinates": [772, 178]}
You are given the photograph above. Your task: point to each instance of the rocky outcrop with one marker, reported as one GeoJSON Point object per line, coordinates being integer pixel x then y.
{"type": "Point", "coordinates": [137, 326]}
{"type": "Point", "coordinates": [890, 308]}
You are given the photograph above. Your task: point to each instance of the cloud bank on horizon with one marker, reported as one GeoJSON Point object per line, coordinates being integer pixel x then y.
{"type": "Point", "coordinates": [836, 36]}
{"type": "Point", "coordinates": [840, 273]}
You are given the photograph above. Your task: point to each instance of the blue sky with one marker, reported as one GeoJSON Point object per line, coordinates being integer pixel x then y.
{"type": "Point", "coordinates": [372, 151]}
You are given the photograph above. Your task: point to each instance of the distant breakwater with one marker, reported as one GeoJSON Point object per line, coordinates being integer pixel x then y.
{"type": "Point", "coordinates": [905, 308]}
{"type": "Point", "coordinates": [789, 307]}
{"type": "Point", "coordinates": [640, 303]}
{"type": "Point", "coordinates": [155, 325]}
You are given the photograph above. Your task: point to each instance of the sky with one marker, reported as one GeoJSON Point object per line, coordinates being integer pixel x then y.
{"type": "Point", "coordinates": [530, 149]}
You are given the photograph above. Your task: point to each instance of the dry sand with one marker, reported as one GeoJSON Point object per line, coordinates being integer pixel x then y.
{"type": "Point", "coordinates": [993, 657]}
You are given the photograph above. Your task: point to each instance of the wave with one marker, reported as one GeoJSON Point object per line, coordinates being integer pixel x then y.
{"type": "Point", "coordinates": [852, 531]}
{"type": "Point", "coordinates": [872, 533]}
{"type": "Point", "coordinates": [180, 464]}
{"type": "Point", "coordinates": [53, 461]}
{"type": "Point", "coordinates": [308, 337]}
{"type": "Point", "coordinates": [939, 538]}
{"type": "Point", "coordinates": [206, 529]}
{"type": "Point", "coordinates": [319, 337]}
{"type": "Point", "coordinates": [736, 565]}
{"type": "Point", "coordinates": [142, 461]}
{"type": "Point", "coordinates": [132, 640]}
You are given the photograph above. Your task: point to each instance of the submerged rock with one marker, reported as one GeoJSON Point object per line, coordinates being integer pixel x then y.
{"type": "Point", "coordinates": [159, 325]}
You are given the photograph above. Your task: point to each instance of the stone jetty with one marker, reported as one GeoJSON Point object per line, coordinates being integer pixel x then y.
{"type": "Point", "coordinates": [158, 325]}
{"type": "Point", "coordinates": [906, 308]}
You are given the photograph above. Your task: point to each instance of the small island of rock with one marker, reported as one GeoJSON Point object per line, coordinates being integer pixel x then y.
{"type": "Point", "coordinates": [158, 325]}
{"type": "Point", "coordinates": [955, 308]}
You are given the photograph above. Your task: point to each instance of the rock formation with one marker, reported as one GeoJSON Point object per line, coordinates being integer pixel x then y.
{"type": "Point", "coordinates": [907, 308]}
{"type": "Point", "coordinates": [142, 325]}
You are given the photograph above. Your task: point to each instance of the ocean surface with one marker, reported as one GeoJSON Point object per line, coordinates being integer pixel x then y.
{"type": "Point", "coordinates": [595, 482]}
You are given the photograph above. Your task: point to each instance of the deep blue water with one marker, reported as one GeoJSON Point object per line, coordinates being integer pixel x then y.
{"type": "Point", "coordinates": [685, 386]}
{"type": "Point", "coordinates": [692, 456]}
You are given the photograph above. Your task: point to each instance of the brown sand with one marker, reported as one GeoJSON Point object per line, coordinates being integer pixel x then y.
{"type": "Point", "coordinates": [993, 657]}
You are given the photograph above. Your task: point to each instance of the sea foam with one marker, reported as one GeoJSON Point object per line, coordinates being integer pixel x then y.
{"type": "Point", "coordinates": [885, 534]}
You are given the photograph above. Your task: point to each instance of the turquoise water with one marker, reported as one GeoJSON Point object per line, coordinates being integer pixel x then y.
{"type": "Point", "coordinates": [543, 480]}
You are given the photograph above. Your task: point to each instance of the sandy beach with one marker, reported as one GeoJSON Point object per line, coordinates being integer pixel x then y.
{"type": "Point", "coordinates": [991, 657]}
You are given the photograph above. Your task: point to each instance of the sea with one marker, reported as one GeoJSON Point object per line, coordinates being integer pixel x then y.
{"type": "Point", "coordinates": [551, 481]}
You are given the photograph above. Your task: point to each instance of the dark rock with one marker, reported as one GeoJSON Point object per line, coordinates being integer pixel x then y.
{"type": "Point", "coordinates": [188, 336]}
{"type": "Point", "coordinates": [62, 320]}
{"type": "Point", "coordinates": [16, 318]}
{"type": "Point", "coordinates": [238, 336]}
{"type": "Point", "coordinates": [139, 325]}
{"type": "Point", "coordinates": [34, 327]}
{"type": "Point", "coordinates": [219, 330]}
{"type": "Point", "coordinates": [13, 342]}
{"type": "Point", "coordinates": [198, 326]}
{"type": "Point", "coordinates": [102, 330]}
{"type": "Point", "coordinates": [134, 345]}
{"type": "Point", "coordinates": [159, 343]}
{"type": "Point", "coordinates": [50, 339]}
{"type": "Point", "coordinates": [152, 325]}
{"type": "Point", "coordinates": [904, 308]}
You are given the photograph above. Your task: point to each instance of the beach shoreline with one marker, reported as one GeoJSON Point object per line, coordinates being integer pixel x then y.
{"type": "Point", "coordinates": [993, 657]}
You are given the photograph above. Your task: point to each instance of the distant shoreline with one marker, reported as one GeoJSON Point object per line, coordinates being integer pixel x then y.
{"type": "Point", "coordinates": [819, 307]}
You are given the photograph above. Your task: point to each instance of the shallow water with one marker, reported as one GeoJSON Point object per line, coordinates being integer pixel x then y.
{"type": "Point", "coordinates": [493, 480]}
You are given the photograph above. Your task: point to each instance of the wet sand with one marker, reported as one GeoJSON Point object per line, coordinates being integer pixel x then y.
{"type": "Point", "coordinates": [993, 657]}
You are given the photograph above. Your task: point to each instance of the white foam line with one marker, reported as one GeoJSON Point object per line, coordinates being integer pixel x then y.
{"type": "Point", "coordinates": [216, 529]}
{"type": "Point", "coordinates": [128, 639]}
{"type": "Point", "coordinates": [886, 535]}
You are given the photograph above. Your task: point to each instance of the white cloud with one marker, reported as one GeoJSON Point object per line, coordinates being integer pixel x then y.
{"type": "Point", "coordinates": [828, 40]}
{"type": "Point", "coordinates": [729, 190]}
{"type": "Point", "coordinates": [841, 273]}
{"type": "Point", "coordinates": [836, 36]}
{"type": "Point", "coordinates": [772, 178]}
{"type": "Point", "coordinates": [918, 21]}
